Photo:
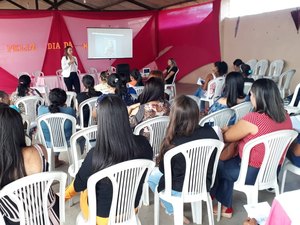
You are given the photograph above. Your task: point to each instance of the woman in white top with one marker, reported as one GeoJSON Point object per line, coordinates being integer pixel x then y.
{"type": "Point", "coordinates": [69, 66]}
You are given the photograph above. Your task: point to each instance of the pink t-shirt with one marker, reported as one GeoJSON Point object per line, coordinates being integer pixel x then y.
{"type": "Point", "coordinates": [265, 125]}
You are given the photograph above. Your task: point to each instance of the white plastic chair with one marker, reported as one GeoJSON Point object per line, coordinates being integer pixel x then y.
{"type": "Point", "coordinates": [276, 145]}
{"type": "Point", "coordinates": [60, 79]}
{"type": "Point", "coordinates": [93, 70]}
{"type": "Point", "coordinates": [247, 87]}
{"type": "Point", "coordinates": [170, 89]}
{"type": "Point", "coordinates": [197, 155]}
{"type": "Point", "coordinates": [30, 195]}
{"type": "Point", "coordinates": [71, 97]}
{"type": "Point", "coordinates": [138, 89]}
{"type": "Point", "coordinates": [293, 106]}
{"type": "Point", "coordinates": [157, 128]}
{"type": "Point", "coordinates": [219, 118]}
{"type": "Point", "coordinates": [90, 103]}
{"type": "Point", "coordinates": [261, 67]}
{"type": "Point", "coordinates": [112, 69]}
{"type": "Point", "coordinates": [285, 82]}
{"type": "Point", "coordinates": [241, 110]}
{"type": "Point", "coordinates": [30, 104]}
{"type": "Point", "coordinates": [288, 166]}
{"type": "Point", "coordinates": [55, 122]}
{"type": "Point", "coordinates": [275, 69]}
{"type": "Point", "coordinates": [125, 178]}
{"type": "Point", "coordinates": [214, 90]}
{"type": "Point", "coordinates": [252, 63]}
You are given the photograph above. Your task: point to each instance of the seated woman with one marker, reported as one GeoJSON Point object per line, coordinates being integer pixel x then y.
{"type": "Point", "coordinates": [183, 128]}
{"type": "Point", "coordinates": [103, 86]}
{"type": "Point", "coordinates": [115, 143]}
{"type": "Point", "coordinates": [4, 98]}
{"type": "Point", "coordinates": [219, 69]}
{"type": "Point", "coordinates": [23, 90]}
{"type": "Point", "coordinates": [237, 65]}
{"type": "Point", "coordinates": [135, 79]}
{"type": "Point", "coordinates": [170, 71]}
{"type": "Point", "coordinates": [88, 83]}
{"type": "Point", "coordinates": [233, 94]}
{"type": "Point", "coordinates": [18, 160]}
{"type": "Point", "coordinates": [151, 103]}
{"type": "Point", "coordinates": [117, 85]}
{"type": "Point", "coordinates": [57, 98]}
{"type": "Point", "coordinates": [268, 116]}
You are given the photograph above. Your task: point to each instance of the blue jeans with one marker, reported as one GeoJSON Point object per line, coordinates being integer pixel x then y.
{"type": "Point", "coordinates": [293, 158]}
{"type": "Point", "coordinates": [153, 183]}
{"type": "Point", "coordinates": [200, 93]}
{"type": "Point", "coordinates": [227, 173]}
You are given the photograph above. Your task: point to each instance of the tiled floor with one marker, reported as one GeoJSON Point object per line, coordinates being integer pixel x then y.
{"type": "Point", "coordinates": [146, 214]}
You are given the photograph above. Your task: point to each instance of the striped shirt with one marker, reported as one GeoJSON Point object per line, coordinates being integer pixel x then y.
{"type": "Point", "coordinates": [265, 125]}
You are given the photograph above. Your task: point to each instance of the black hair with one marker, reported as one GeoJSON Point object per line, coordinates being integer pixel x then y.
{"type": "Point", "coordinates": [3, 95]}
{"type": "Point", "coordinates": [268, 99]}
{"type": "Point", "coordinates": [118, 82]}
{"type": "Point", "coordinates": [154, 90]}
{"type": "Point", "coordinates": [115, 141]}
{"type": "Point", "coordinates": [135, 73]}
{"type": "Point", "coordinates": [245, 70]}
{"type": "Point", "coordinates": [89, 83]}
{"type": "Point", "coordinates": [238, 62]}
{"type": "Point", "coordinates": [57, 98]}
{"type": "Point", "coordinates": [221, 67]}
{"type": "Point", "coordinates": [24, 84]}
{"type": "Point", "coordinates": [104, 75]}
{"type": "Point", "coordinates": [12, 140]}
{"type": "Point", "coordinates": [234, 88]}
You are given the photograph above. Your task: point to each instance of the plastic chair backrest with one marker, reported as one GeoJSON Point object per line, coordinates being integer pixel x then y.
{"type": "Point", "coordinates": [293, 102]}
{"type": "Point", "coordinates": [157, 128]}
{"type": "Point", "coordinates": [90, 103]}
{"type": "Point", "coordinates": [241, 110]}
{"type": "Point", "coordinates": [252, 63]}
{"type": "Point", "coordinates": [285, 79]}
{"type": "Point", "coordinates": [219, 118]}
{"type": "Point", "coordinates": [276, 68]}
{"type": "Point", "coordinates": [138, 89]}
{"type": "Point", "coordinates": [261, 67]}
{"type": "Point", "coordinates": [93, 70]}
{"type": "Point", "coordinates": [247, 87]}
{"type": "Point", "coordinates": [71, 96]}
{"type": "Point", "coordinates": [31, 104]}
{"type": "Point", "coordinates": [215, 88]}
{"type": "Point", "coordinates": [23, 73]}
{"type": "Point", "coordinates": [88, 133]}
{"type": "Point", "coordinates": [30, 195]}
{"type": "Point", "coordinates": [197, 155]}
{"type": "Point", "coordinates": [38, 73]}
{"type": "Point", "coordinates": [276, 145]}
{"type": "Point", "coordinates": [125, 178]}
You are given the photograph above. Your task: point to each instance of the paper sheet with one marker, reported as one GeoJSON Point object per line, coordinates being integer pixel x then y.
{"type": "Point", "coordinates": [259, 211]}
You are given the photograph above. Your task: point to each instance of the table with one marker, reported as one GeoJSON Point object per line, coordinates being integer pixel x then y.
{"type": "Point", "coordinates": [53, 81]}
{"type": "Point", "coordinates": [285, 209]}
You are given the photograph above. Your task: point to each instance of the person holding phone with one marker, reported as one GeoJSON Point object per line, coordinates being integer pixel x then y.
{"type": "Point", "coordinates": [69, 65]}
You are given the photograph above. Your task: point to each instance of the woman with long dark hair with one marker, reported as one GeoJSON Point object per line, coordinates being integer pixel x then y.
{"type": "Point", "coordinates": [57, 98]}
{"type": "Point", "coordinates": [152, 103]}
{"type": "Point", "coordinates": [115, 143]}
{"type": "Point", "coordinates": [135, 78]}
{"type": "Point", "coordinates": [170, 71]}
{"type": "Point", "coordinates": [18, 160]}
{"type": "Point", "coordinates": [69, 66]}
{"type": "Point", "coordinates": [23, 90]}
{"type": "Point", "coordinates": [183, 127]}
{"type": "Point", "coordinates": [268, 116]}
{"type": "Point", "coordinates": [233, 94]}
{"type": "Point", "coordinates": [88, 83]}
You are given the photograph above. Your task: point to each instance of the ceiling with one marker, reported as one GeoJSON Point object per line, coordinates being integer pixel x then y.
{"type": "Point", "coordinates": [96, 5]}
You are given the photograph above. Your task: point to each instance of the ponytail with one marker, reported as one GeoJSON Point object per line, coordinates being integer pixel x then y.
{"type": "Point", "coordinates": [24, 83]}
{"type": "Point", "coordinates": [54, 107]}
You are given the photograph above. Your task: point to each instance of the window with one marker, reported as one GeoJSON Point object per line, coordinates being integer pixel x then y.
{"type": "Point", "coordinates": [250, 7]}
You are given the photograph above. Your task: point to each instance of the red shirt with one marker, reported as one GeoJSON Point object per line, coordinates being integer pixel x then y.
{"type": "Point", "coordinates": [265, 125]}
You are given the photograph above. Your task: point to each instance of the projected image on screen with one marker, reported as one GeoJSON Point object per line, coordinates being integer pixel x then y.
{"type": "Point", "coordinates": [107, 43]}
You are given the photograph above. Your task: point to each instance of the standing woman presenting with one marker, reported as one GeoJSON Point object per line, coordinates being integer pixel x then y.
{"type": "Point", "coordinates": [69, 66]}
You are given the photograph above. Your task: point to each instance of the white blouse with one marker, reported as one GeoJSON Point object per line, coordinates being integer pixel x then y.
{"type": "Point", "coordinates": [66, 68]}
